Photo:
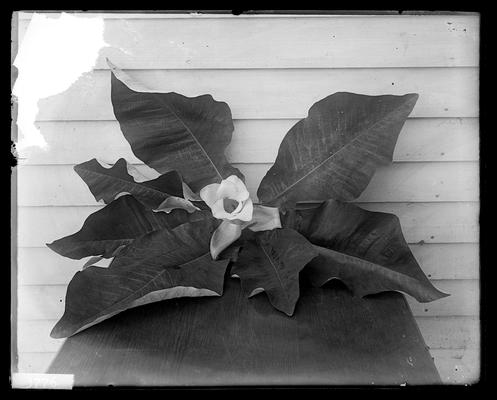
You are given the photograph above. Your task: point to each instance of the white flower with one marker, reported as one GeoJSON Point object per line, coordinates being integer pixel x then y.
{"type": "Point", "coordinates": [230, 201]}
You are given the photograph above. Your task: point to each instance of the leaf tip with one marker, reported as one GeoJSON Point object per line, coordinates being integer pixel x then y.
{"type": "Point", "coordinates": [110, 64]}
{"type": "Point", "coordinates": [434, 294]}
{"type": "Point", "coordinates": [441, 295]}
{"type": "Point", "coordinates": [289, 313]}
{"type": "Point", "coordinates": [57, 332]}
{"type": "Point", "coordinates": [413, 97]}
{"type": "Point", "coordinates": [52, 246]}
{"type": "Point", "coordinates": [289, 308]}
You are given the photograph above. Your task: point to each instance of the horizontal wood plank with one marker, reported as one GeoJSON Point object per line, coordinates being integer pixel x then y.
{"type": "Point", "coordinates": [448, 260]}
{"type": "Point", "coordinates": [59, 185]}
{"type": "Point", "coordinates": [47, 302]}
{"type": "Point", "coordinates": [434, 222]}
{"type": "Point", "coordinates": [35, 362]}
{"type": "Point", "coordinates": [277, 93]}
{"type": "Point", "coordinates": [272, 42]}
{"type": "Point", "coordinates": [34, 337]}
{"type": "Point", "coordinates": [438, 333]}
{"type": "Point", "coordinates": [464, 300]}
{"type": "Point", "coordinates": [42, 266]}
{"type": "Point", "coordinates": [457, 366]}
{"type": "Point", "coordinates": [254, 141]}
{"type": "Point", "coordinates": [421, 222]}
{"type": "Point", "coordinates": [450, 332]}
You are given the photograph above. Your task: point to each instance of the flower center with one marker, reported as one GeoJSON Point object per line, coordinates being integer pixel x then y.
{"type": "Point", "coordinates": [230, 205]}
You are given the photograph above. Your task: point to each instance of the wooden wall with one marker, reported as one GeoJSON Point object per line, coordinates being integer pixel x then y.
{"type": "Point", "coordinates": [270, 70]}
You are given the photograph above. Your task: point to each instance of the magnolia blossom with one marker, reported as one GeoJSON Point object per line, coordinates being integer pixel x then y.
{"type": "Point", "coordinates": [230, 201]}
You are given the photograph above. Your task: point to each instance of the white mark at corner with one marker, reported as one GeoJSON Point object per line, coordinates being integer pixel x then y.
{"type": "Point", "coordinates": [42, 381]}
{"type": "Point", "coordinates": [54, 53]}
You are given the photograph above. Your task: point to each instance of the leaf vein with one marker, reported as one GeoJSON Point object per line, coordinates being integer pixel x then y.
{"type": "Point", "coordinates": [359, 135]}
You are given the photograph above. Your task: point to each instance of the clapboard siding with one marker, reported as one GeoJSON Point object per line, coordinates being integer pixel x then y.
{"type": "Point", "coordinates": [277, 94]}
{"type": "Point", "coordinates": [461, 366]}
{"type": "Point", "coordinates": [42, 266]}
{"type": "Point", "coordinates": [34, 336]}
{"type": "Point", "coordinates": [455, 181]}
{"type": "Point", "coordinates": [47, 301]}
{"type": "Point", "coordinates": [34, 362]}
{"type": "Point", "coordinates": [463, 300]}
{"type": "Point", "coordinates": [450, 332]}
{"type": "Point", "coordinates": [421, 222]}
{"type": "Point", "coordinates": [330, 42]}
{"type": "Point", "coordinates": [427, 139]}
{"type": "Point", "coordinates": [269, 84]}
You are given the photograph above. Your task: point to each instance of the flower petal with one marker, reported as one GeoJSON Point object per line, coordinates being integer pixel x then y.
{"type": "Point", "coordinates": [225, 234]}
{"type": "Point", "coordinates": [189, 194]}
{"type": "Point", "coordinates": [226, 189]}
{"type": "Point", "coordinates": [209, 194]}
{"type": "Point", "coordinates": [265, 218]}
{"type": "Point", "coordinates": [174, 202]}
{"type": "Point", "coordinates": [234, 188]}
{"type": "Point", "coordinates": [236, 180]}
{"type": "Point", "coordinates": [218, 210]}
{"type": "Point", "coordinates": [246, 213]}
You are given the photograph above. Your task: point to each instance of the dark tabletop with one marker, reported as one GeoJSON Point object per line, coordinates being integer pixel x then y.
{"type": "Point", "coordinates": [333, 338]}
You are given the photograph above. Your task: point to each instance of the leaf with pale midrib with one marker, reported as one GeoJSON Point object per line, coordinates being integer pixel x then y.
{"type": "Point", "coordinates": [364, 249]}
{"type": "Point", "coordinates": [270, 261]}
{"type": "Point", "coordinates": [117, 224]}
{"type": "Point", "coordinates": [106, 183]}
{"type": "Point", "coordinates": [160, 265]}
{"type": "Point", "coordinates": [168, 131]}
{"type": "Point", "coordinates": [334, 152]}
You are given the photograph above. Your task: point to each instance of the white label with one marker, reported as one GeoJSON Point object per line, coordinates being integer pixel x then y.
{"type": "Point", "coordinates": [42, 381]}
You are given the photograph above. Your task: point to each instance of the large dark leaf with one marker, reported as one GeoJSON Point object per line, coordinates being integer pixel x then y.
{"type": "Point", "coordinates": [157, 266]}
{"type": "Point", "coordinates": [270, 261]}
{"type": "Point", "coordinates": [169, 131]}
{"type": "Point", "coordinates": [106, 183]}
{"type": "Point", "coordinates": [364, 249]}
{"type": "Point", "coordinates": [333, 153]}
{"type": "Point", "coordinates": [118, 224]}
